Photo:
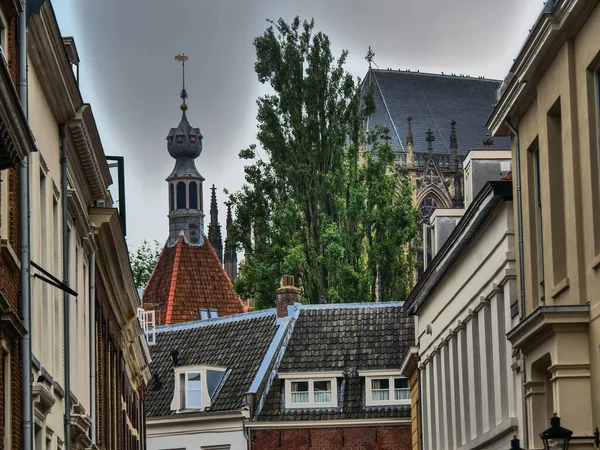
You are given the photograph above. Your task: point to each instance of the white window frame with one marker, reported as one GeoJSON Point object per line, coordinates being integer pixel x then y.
{"type": "Point", "coordinates": [180, 386]}
{"type": "Point", "coordinates": [392, 394]}
{"type": "Point", "coordinates": [188, 389]}
{"type": "Point", "coordinates": [311, 393]}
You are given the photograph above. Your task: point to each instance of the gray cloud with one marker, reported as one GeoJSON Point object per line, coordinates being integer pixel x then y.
{"type": "Point", "coordinates": [129, 76]}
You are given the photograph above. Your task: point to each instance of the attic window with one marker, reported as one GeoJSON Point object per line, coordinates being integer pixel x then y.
{"type": "Point", "coordinates": [207, 313]}
{"type": "Point", "coordinates": [387, 390]}
{"type": "Point", "coordinates": [311, 393]}
{"type": "Point", "coordinates": [179, 138]}
{"type": "Point", "coordinates": [195, 386]}
{"type": "Point", "coordinates": [192, 139]}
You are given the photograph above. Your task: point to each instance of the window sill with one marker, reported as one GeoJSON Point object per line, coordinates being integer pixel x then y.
{"type": "Point", "coordinates": [560, 287]}
{"type": "Point", "coordinates": [9, 255]}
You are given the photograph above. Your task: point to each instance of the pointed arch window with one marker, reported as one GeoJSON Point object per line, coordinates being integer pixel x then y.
{"type": "Point", "coordinates": [171, 197]}
{"type": "Point", "coordinates": [193, 189]}
{"type": "Point", "coordinates": [181, 195]}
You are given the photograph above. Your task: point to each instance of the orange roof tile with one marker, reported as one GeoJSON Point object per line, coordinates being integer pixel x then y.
{"type": "Point", "coordinates": [186, 278]}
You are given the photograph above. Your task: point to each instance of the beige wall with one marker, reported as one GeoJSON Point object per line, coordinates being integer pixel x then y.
{"type": "Point", "coordinates": [470, 391]}
{"type": "Point", "coordinates": [560, 346]}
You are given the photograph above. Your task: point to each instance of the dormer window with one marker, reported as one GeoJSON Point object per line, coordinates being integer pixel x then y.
{"type": "Point", "coordinates": [193, 390]}
{"type": "Point", "coordinates": [170, 139]}
{"type": "Point", "coordinates": [192, 139]}
{"type": "Point", "coordinates": [311, 390]}
{"type": "Point", "coordinates": [195, 387]}
{"type": "Point", "coordinates": [179, 138]}
{"type": "Point", "coordinates": [387, 390]}
{"type": "Point", "coordinates": [207, 313]}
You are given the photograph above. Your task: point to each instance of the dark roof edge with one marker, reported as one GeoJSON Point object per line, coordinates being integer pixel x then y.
{"type": "Point", "coordinates": [431, 74]}
{"type": "Point", "coordinates": [475, 218]}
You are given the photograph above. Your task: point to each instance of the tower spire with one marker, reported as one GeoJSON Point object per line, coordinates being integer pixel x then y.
{"type": "Point", "coordinates": [230, 252]}
{"type": "Point", "coordinates": [369, 57]}
{"type": "Point", "coordinates": [409, 135]}
{"type": "Point", "coordinates": [458, 200]}
{"type": "Point", "coordinates": [182, 59]}
{"type": "Point", "coordinates": [214, 229]}
{"type": "Point", "coordinates": [430, 138]}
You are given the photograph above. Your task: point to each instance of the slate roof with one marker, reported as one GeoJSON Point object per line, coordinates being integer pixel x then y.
{"type": "Point", "coordinates": [348, 338]}
{"type": "Point", "coordinates": [186, 278]}
{"type": "Point", "coordinates": [433, 101]}
{"type": "Point", "coordinates": [237, 342]}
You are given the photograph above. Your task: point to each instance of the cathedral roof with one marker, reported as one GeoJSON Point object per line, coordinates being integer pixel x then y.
{"type": "Point", "coordinates": [187, 278]}
{"type": "Point", "coordinates": [433, 101]}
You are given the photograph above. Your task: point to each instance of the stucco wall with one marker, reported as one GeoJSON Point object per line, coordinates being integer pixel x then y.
{"type": "Point", "coordinates": [197, 441]}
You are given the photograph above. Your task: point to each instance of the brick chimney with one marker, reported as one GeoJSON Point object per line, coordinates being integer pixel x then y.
{"type": "Point", "coordinates": [286, 295]}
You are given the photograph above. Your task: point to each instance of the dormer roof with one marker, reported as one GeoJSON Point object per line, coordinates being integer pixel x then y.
{"type": "Point", "coordinates": [184, 141]}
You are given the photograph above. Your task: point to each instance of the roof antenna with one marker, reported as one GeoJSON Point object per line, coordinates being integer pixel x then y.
{"type": "Point", "coordinates": [182, 59]}
{"type": "Point", "coordinates": [175, 357]}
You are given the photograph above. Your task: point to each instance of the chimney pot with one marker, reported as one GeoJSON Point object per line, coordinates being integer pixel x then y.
{"type": "Point", "coordinates": [286, 295]}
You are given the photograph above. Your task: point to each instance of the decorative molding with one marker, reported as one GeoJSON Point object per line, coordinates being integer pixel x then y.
{"type": "Point", "coordinates": [43, 400]}
{"type": "Point", "coordinates": [560, 287]}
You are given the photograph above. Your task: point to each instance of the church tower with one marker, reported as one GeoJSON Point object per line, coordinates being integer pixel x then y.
{"type": "Point", "coordinates": [189, 281]}
{"type": "Point", "coordinates": [185, 182]}
{"type": "Point", "coordinates": [230, 251]}
{"type": "Point", "coordinates": [214, 229]}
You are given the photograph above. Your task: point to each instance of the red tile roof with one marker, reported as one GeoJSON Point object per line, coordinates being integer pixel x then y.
{"type": "Point", "coordinates": [186, 278]}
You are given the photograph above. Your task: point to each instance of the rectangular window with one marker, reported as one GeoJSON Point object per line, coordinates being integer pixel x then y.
{"type": "Point", "coordinates": [557, 194]}
{"type": "Point", "coordinates": [193, 390]}
{"type": "Point", "coordinates": [322, 392]}
{"type": "Point", "coordinates": [387, 390]}
{"type": "Point", "coordinates": [300, 392]}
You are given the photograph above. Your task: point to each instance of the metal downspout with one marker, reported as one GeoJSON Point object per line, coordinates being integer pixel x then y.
{"type": "Point", "coordinates": [93, 344]}
{"type": "Point", "coordinates": [67, 299]}
{"type": "Point", "coordinates": [25, 256]}
{"type": "Point", "coordinates": [515, 134]}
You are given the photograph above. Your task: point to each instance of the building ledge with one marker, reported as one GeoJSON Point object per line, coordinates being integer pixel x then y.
{"type": "Point", "coordinates": [410, 362]}
{"type": "Point", "coordinates": [545, 321]}
{"type": "Point", "coordinates": [507, 427]}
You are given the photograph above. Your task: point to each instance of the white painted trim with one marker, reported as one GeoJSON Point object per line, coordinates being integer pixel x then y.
{"type": "Point", "coordinates": [380, 373]}
{"type": "Point", "coordinates": [392, 401]}
{"type": "Point", "coordinates": [329, 423]}
{"type": "Point", "coordinates": [310, 375]}
{"type": "Point", "coordinates": [311, 403]}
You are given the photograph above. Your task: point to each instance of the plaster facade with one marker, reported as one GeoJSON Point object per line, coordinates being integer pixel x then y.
{"type": "Point", "coordinates": [551, 99]}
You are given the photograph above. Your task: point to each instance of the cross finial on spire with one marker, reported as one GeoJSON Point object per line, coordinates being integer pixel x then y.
{"type": "Point", "coordinates": [369, 57]}
{"type": "Point", "coordinates": [453, 140]}
{"type": "Point", "coordinates": [430, 138]}
{"type": "Point", "coordinates": [487, 142]}
{"type": "Point", "coordinates": [182, 59]}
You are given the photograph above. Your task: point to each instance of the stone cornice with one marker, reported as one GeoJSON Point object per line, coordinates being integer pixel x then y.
{"type": "Point", "coordinates": [545, 321]}
{"type": "Point", "coordinates": [90, 152]}
{"type": "Point", "coordinates": [48, 56]}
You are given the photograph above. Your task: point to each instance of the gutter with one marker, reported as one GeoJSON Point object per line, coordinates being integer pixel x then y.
{"type": "Point", "coordinates": [67, 300]}
{"type": "Point", "coordinates": [25, 257]}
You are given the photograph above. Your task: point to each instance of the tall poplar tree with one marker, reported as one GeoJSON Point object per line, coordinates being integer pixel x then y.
{"type": "Point", "coordinates": [325, 203]}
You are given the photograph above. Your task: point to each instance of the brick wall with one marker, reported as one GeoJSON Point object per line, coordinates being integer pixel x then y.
{"type": "Point", "coordinates": [397, 437]}
{"type": "Point", "coordinates": [117, 428]}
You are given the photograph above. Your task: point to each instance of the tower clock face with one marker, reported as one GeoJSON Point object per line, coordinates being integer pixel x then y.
{"type": "Point", "coordinates": [428, 205]}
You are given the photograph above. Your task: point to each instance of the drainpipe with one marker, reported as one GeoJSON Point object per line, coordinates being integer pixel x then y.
{"type": "Point", "coordinates": [515, 134]}
{"type": "Point", "coordinates": [67, 299]}
{"type": "Point", "coordinates": [26, 378]}
{"type": "Point", "coordinates": [93, 343]}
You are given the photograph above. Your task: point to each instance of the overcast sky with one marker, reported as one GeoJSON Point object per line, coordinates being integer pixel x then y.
{"type": "Point", "coordinates": [129, 76]}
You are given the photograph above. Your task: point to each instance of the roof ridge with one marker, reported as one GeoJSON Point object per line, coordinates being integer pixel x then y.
{"type": "Point", "coordinates": [215, 320]}
{"type": "Point", "coordinates": [173, 285]}
{"type": "Point", "coordinates": [353, 305]}
{"type": "Point", "coordinates": [441, 75]}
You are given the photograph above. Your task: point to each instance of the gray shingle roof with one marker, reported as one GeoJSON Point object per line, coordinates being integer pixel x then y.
{"type": "Point", "coordinates": [348, 338]}
{"type": "Point", "coordinates": [237, 342]}
{"type": "Point", "coordinates": [433, 101]}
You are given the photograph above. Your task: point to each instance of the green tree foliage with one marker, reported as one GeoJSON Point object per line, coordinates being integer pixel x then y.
{"type": "Point", "coordinates": [143, 260]}
{"type": "Point", "coordinates": [318, 206]}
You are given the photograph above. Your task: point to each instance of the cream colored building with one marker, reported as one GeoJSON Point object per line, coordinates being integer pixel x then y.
{"type": "Point", "coordinates": [65, 132]}
{"type": "Point", "coordinates": [469, 393]}
{"type": "Point", "coordinates": [549, 105]}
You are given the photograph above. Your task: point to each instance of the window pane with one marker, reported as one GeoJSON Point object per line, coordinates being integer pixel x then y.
{"type": "Point", "coordinates": [400, 383]}
{"type": "Point", "coordinates": [214, 313]}
{"type": "Point", "coordinates": [193, 188]}
{"type": "Point", "coordinates": [299, 397]}
{"type": "Point", "coordinates": [299, 386]}
{"type": "Point", "coordinates": [203, 314]}
{"type": "Point", "coordinates": [323, 397]}
{"type": "Point", "coordinates": [194, 381]}
{"type": "Point", "coordinates": [379, 396]}
{"type": "Point", "coordinates": [194, 399]}
{"type": "Point", "coordinates": [381, 383]}
{"type": "Point", "coordinates": [322, 386]}
{"type": "Point", "coordinates": [181, 200]}
{"type": "Point", "coordinates": [402, 394]}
